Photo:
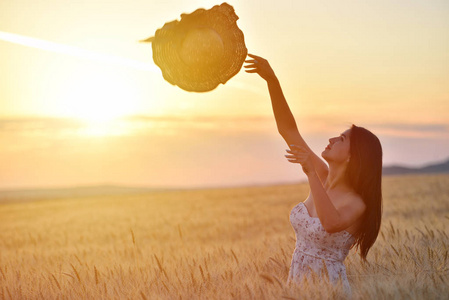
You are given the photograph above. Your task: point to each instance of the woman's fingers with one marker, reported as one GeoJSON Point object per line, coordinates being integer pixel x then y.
{"type": "Point", "coordinates": [256, 59]}
{"type": "Point", "coordinates": [297, 150]}
{"type": "Point", "coordinates": [297, 147]}
{"type": "Point", "coordinates": [300, 155]}
{"type": "Point", "coordinates": [255, 56]}
{"type": "Point", "coordinates": [297, 155]}
{"type": "Point", "coordinates": [261, 65]}
{"type": "Point", "coordinates": [251, 63]}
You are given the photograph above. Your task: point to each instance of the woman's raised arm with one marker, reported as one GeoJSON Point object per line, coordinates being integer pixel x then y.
{"type": "Point", "coordinates": [285, 121]}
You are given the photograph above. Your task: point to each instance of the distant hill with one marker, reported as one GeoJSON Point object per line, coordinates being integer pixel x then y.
{"type": "Point", "coordinates": [430, 169]}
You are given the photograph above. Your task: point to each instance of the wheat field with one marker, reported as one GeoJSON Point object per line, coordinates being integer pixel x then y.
{"type": "Point", "coordinates": [214, 244]}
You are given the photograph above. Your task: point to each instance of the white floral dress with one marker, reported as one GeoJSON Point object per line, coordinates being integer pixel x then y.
{"type": "Point", "coordinates": [315, 248]}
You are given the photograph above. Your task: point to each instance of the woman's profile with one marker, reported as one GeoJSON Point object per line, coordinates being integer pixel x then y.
{"type": "Point", "coordinates": [344, 207]}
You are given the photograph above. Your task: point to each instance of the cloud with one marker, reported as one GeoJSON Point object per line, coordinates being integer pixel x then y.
{"type": "Point", "coordinates": [411, 130]}
{"type": "Point", "coordinates": [76, 52]}
{"type": "Point", "coordinates": [140, 125]}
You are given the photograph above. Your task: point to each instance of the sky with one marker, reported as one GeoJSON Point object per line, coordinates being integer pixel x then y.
{"type": "Point", "coordinates": [382, 64]}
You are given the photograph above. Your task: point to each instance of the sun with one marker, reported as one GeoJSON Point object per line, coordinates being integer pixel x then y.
{"type": "Point", "coordinates": [97, 97]}
{"type": "Point", "coordinates": [96, 88]}
{"type": "Point", "coordinates": [100, 100]}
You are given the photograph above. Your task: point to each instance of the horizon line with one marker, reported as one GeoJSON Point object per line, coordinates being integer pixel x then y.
{"type": "Point", "coordinates": [137, 188]}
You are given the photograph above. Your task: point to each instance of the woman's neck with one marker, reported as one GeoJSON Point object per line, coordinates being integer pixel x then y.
{"type": "Point", "coordinates": [336, 177]}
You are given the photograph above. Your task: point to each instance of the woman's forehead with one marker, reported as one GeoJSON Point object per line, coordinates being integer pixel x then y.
{"type": "Point", "coordinates": [346, 133]}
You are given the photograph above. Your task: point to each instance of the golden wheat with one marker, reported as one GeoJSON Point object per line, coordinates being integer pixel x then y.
{"type": "Point", "coordinates": [213, 244]}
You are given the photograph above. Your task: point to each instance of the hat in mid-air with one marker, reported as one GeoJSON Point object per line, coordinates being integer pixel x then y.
{"type": "Point", "coordinates": [202, 50]}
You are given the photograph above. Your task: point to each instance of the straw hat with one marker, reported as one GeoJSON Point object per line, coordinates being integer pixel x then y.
{"type": "Point", "coordinates": [202, 50]}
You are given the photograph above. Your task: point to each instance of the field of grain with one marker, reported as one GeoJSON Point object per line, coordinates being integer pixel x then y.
{"type": "Point", "coordinates": [213, 244]}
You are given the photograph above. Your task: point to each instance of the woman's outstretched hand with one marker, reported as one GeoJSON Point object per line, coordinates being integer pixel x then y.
{"type": "Point", "coordinates": [260, 66]}
{"type": "Point", "coordinates": [299, 155]}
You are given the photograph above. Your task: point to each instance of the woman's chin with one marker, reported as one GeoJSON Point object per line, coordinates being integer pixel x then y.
{"type": "Point", "coordinates": [324, 155]}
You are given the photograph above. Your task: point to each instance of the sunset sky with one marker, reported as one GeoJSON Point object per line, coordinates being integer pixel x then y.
{"type": "Point", "coordinates": [380, 64]}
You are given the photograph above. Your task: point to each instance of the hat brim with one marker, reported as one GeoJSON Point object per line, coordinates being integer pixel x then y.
{"type": "Point", "coordinates": [167, 45]}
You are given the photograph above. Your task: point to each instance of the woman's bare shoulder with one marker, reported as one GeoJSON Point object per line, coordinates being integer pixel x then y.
{"type": "Point", "coordinates": [355, 201]}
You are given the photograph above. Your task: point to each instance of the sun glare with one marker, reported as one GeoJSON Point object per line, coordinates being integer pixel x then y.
{"type": "Point", "coordinates": [97, 97]}
{"type": "Point", "coordinates": [99, 101]}
{"type": "Point", "coordinates": [91, 93]}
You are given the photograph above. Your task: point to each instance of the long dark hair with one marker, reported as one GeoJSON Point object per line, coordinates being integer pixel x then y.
{"type": "Point", "coordinates": [364, 173]}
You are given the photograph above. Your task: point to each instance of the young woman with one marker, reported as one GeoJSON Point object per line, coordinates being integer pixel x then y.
{"type": "Point", "coordinates": [344, 206]}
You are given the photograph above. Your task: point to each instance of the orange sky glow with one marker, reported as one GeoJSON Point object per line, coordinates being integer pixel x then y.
{"type": "Point", "coordinates": [380, 64]}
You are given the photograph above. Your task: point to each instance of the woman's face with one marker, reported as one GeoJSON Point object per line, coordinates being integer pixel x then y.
{"type": "Point", "coordinates": [338, 149]}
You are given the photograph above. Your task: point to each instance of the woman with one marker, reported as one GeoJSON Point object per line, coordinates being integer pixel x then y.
{"type": "Point", "coordinates": [344, 206]}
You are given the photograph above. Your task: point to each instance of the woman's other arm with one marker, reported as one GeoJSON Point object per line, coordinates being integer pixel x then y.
{"type": "Point", "coordinates": [333, 219]}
